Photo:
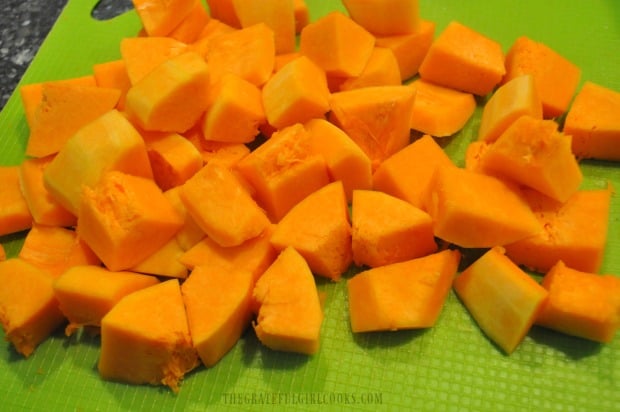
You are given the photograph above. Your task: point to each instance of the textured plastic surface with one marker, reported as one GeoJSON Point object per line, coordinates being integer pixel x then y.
{"type": "Point", "coordinates": [452, 366]}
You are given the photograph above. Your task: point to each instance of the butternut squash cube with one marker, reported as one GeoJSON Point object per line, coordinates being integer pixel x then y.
{"type": "Point", "coordinates": [171, 97]}
{"type": "Point", "coordinates": [513, 99]}
{"type": "Point", "coordinates": [533, 153]}
{"type": "Point", "coordinates": [376, 118]}
{"type": "Point", "coordinates": [56, 249]}
{"type": "Point", "coordinates": [145, 338]}
{"type": "Point", "coordinates": [64, 109]}
{"type": "Point", "coordinates": [473, 210]}
{"type": "Point", "coordinates": [254, 255]}
{"type": "Point", "coordinates": [345, 160]}
{"type": "Point", "coordinates": [86, 293]}
{"type": "Point", "coordinates": [502, 298]}
{"type": "Point", "coordinates": [582, 304]}
{"type": "Point", "coordinates": [402, 295]}
{"type": "Point", "coordinates": [28, 309]}
{"type": "Point", "coordinates": [407, 174]}
{"type": "Point", "coordinates": [235, 111]}
{"type": "Point", "coordinates": [575, 232]}
{"type": "Point", "coordinates": [555, 77]}
{"type": "Point", "coordinates": [108, 143]}
{"type": "Point", "coordinates": [218, 308]}
{"type": "Point", "coordinates": [44, 208]}
{"type": "Point", "coordinates": [173, 158]}
{"type": "Point", "coordinates": [386, 229]}
{"type": "Point", "coordinates": [15, 215]}
{"type": "Point", "coordinates": [464, 59]}
{"type": "Point", "coordinates": [337, 44]}
{"type": "Point", "coordinates": [222, 208]}
{"type": "Point", "coordinates": [276, 167]}
{"type": "Point", "coordinates": [385, 17]}
{"type": "Point", "coordinates": [124, 219]}
{"type": "Point", "coordinates": [593, 123]}
{"type": "Point", "coordinates": [296, 93]}
{"type": "Point", "coordinates": [289, 309]}
{"type": "Point", "coordinates": [318, 229]}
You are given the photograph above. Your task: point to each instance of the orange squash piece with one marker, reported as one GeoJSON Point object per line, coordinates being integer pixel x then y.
{"type": "Point", "coordinates": [32, 94]}
{"type": "Point", "coordinates": [376, 118]}
{"type": "Point", "coordinates": [145, 338]}
{"type": "Point", "coordinates": [224, 153]}
{"type": "Point", "coordinates": [410, 48]}
{"type": "Point", "coordinates": [108, 143]}
{"type": "Point", "coordinates": [582, 304]}
{"type": "Point", "coordinates": [513, 99]}
{"type": "Point", "coordinates": [160, 17]}
{"type": "Point", "coordinates": [533, 153]}
{"type": "Point", "coordinates": [318, 228]}
{"type": "Point", "coordinates": [188, 30]}
{"type": "Point", "coordinates": [503, 299]}
{"type": "Point", "coordinates": [174, 159]}
{"type": "Point", "coordinates": [296, 93]}
{"type": "Point", "coordinates": [289, 309]}
{"type": "Point", "coordinates": [113, 75]}
{"type": "Point", "coordinates": [385, 17]}
{"type": "Point", "coordinates": [464, 59]}
{"type": "Point", "coordinates": [474, 153]}
{"type": "Point", "coordinates": [224, 10]}
{"type": "Point", "coordinates": [337, 44]}
{"type": "Point", "coordinates": [173, 96]}
{"type": "Point", "coordinates": [473, 210]}
{"type": "Point", "coordinates": [277, 166]}
{"type": "Point", "coordinates": [403, 295]}
{"type": "Point", "coordinates": [125, 219]}
{"type": "Point", "coordinates": [164, 262]}
{"type": "Point", "coordinates": [208, 197]}
{"type": "Point", "coordinates": [55, 249]}
{"type": "Point", "coordinates": [86, 293]}
{"type": "Point", "coordinates": [345, 160]}
{"type": "Point", "coordinates": [575, 232]}
{"type": "Point", "coordinates": [381, 70]}
{"type": "Point", "coordinates": [593, 123]}
{"type": "Point", "coordinates": [63, 110]}
{"type": "Point", "coordinates": [28, 309]}
{"type": "Point", "coordinates": [15, 215]}
{"type": "Point", "coordinates": [142, 54]}
{"type": "Point", "coordinates": [217, 303]}
{"type": "Point", "coordinates": [407, 173]}
{"type": "Point", "coordinates": [440, 111]}
{"type": "Point", "coordinates": [556, 78]}
{"type": "Point", "coordinates": [235, 111]}
{"type": "Point", "coordinates": [386, 229]}
{"type": "Point", "coordinates": [278, 15]}
{"type": "Point", "coordinates": [249, 53]}
{"type": "Point", "coordinates": [190, 233]}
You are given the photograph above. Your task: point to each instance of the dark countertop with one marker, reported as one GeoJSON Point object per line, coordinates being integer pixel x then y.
{"type": "Point", "coordinates": [24, 24]}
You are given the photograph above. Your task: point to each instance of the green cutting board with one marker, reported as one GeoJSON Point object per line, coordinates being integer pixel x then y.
{"type": "Point", "coordinates": [451, 366]}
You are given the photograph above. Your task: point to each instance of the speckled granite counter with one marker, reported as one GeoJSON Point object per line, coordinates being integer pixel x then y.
{"type": "Point", "coordinates": [24, 24]}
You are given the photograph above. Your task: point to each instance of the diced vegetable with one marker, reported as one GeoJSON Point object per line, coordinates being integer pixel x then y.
{"type": "Point", "coordinates": [86, 293]}
{"type": "Point", "coordinates": [594, 124]}
{"type": "Point", "coordinates": [15, 215]}
{"type": "Point", "coordinates": [145, 338]}
{"type": "Point", "coordinates": [318, 228]}
{"type": "Point", "coordinates": [386, 229]}
{"type": "Point", "coordinates": [289, 310]}
{"type": "Point", "coordinates": [580, 303]}
{"type": "Point", "coordinates": [503, 299]}
{"type": "Point", "coordinates": [28, 309]}
{"type": "Point", "coordinates": [555, 77]}
{"type": "Point", "coordinates": [404, 295]}
{"type": "Point", "coordinates": [464, 59]}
